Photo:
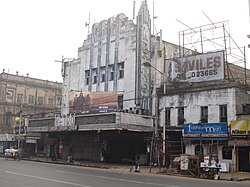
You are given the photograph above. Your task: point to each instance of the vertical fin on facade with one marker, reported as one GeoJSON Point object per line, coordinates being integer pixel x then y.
{"type": "Point", "coordinates": [116, 58]}
{"type": "Point", "coordinates": [107, 56]}
{"type": "Point", "coordinates": [99, 58]}
{"type": "Point", "coordinates": [143, 54]}
{"type": "Point", "coordinates": [91, 59]}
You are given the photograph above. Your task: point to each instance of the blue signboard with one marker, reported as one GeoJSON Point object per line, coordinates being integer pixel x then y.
{"type": "Point", "coordinates": [205, 130]}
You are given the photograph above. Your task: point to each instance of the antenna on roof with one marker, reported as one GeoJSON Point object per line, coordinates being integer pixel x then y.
{"type": "Point", "coordinates": [87, 24]}
{"type": "Point", "coordinates": [153, 18]}
{"type": "Point", "coordinates": [64, 60]}
{"type": "Point", "coordinates": [133, 10]}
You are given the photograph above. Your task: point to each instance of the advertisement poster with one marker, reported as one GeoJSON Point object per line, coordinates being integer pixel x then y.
{"type": "Point", "coordinates": [196, 68]}
{"type": "Point", "coordinates": [93, 102]}
{"type": "Point", "coordinates": [184, 162]}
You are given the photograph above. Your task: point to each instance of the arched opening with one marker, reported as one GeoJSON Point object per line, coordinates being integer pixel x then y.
{"type": "Point", "coordinates": [199, 150]}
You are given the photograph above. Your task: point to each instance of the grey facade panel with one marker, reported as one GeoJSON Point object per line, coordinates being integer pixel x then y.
{"type": "Point", "coordinates": [95, 119]}
{"type": "Point", "coordinates": [42, 122]}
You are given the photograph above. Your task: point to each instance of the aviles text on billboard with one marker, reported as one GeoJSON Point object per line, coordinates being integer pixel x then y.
{"type": "Point", "coordinates": [198, 68]}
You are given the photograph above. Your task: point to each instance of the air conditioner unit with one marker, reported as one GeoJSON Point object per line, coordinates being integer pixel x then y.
{"type": "Point", "coordinates": [138, 111]}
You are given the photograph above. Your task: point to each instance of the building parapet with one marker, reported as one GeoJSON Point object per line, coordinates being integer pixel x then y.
{"type": "Point", "coordinates": [107, 121]}
{"type": "Point", "coordinates": [29, 81]}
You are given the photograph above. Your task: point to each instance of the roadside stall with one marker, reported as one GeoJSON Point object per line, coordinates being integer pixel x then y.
{"type": "Point", "coordinates": [189, 165]}
{"type": "Point", "coordinates": [210, 169]}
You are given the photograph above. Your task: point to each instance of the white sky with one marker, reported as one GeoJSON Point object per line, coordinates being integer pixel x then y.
{"type": "Point", "coordinates": [35, 33]}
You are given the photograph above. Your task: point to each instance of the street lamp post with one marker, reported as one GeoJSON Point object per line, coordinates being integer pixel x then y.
{"type": "Point", "coordinates": [164, 109]}
{"type": "Point", "coordinates": [19, 127]}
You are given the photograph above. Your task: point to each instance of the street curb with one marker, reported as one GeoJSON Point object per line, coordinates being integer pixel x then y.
{"type": "Point", "coordinates": [65, 163]}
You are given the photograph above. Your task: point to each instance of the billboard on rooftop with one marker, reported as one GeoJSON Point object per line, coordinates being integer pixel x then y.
{"type": "Point", "coordinates": [196, 68]}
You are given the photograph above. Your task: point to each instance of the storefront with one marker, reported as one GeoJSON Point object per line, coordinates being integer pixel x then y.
{"type": "Point", "coordinates": [205, 139]}
{"type": "Point", "coordinates": [240, 144]}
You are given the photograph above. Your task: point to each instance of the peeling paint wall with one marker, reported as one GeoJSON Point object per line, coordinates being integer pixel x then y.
{"type": "Point", "coordinates": [192, 102]}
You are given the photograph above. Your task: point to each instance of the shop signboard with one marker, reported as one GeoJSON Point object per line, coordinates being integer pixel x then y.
{"type": "Point", "coordinates": [64, 123]}
{"type": "Point", "coordinates": [240, 127]}
{"type": "Point", "coordinates": [68, 120]}
{"type": "Point", "coordinates": [205, 130]}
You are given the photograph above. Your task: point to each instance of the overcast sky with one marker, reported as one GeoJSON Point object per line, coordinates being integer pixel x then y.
{"type": "Point", "coordinates": [35, 33]}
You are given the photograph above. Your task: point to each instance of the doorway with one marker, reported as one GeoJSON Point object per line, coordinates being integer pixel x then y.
{"type": "Point", "coordinates": [244, 159]}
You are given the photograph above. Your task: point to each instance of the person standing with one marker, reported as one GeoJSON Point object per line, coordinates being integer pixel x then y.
{"type": "Point", "coordinates": [81, 103]}
{"type": "Point", "coordinates": [75, 104]}
{"type": "Point", "coordinates": [60, 149]}
{"type": "Point", "coordinates": [87, 103]}
{"type": "Point", "coordinates": [218, 166]}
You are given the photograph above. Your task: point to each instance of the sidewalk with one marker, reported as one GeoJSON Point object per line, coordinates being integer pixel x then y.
{"type": "Point", "coordinates": [240, 176]}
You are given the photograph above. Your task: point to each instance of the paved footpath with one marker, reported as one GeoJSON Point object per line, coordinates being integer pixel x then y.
{"type": "Point", "coordinates": [240, 176]}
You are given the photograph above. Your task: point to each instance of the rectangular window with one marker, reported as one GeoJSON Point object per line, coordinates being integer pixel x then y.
{"type": "Point", "coordinates": [40, 100]}
{"type": "Point", "coordinates": [121, 74]}
{"type": "Point", "coordinates": [87, 77]}
{"type": "Point", "coordinates": [102, 71]}
{"type": "Point", "coordinates": [204, 114]}
{"type": "Point", "coordinates": [95, 79]}
{"type": "Point", "coordinates": [111, 73]}
{"type": "Point", "coordinates": [103, 78]}
{"type": "Point", "coordinates": [58, 101]}
{"type": "Point", "coordinates": [111, 76]}
{"type": "Point", "coordinates": [19, 98]}
{"type": "Point", "coordinates": [121, 70]}
{"type": "Point", "coordinates": [31, 99]}
{"type": "Point", "coordinates": [246, 109]}
{"type": "Point", "coordinates": [120, 102]}
{"type": "Point", "coordinates": [51, 102]}
{"type": "Point", "coordinates": [95, 76]}
{"type": "Point", "coordinates": [181, 118]}
{"type": "Point", "coordinates": [223, 113]}
{"type": "Point", "coordinates": [167, 116]}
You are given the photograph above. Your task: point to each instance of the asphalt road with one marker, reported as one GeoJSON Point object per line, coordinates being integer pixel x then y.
{"type": "Point", "coordinates": [36, 174]}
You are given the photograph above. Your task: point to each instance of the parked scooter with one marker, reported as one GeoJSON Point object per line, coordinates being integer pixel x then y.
{"type": "Point", "coordinates": [135, 168]}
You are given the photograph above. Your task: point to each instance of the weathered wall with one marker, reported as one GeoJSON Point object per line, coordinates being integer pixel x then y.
{"type": "Point", "coordinates": [110, 43]}
{"type": "Point", "coordinates": [16, 92]}
{"type": "Point", "coordinates": [192, 102]}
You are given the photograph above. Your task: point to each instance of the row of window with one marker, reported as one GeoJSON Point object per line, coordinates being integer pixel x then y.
{"type": "Point", "coordinates": [213, 150]}
{"type": "Point", "coordinates": [203, 115]}
{"type": "Point", "coordinates": [111, 71]}
{"type": "Point", "coordinates": [40, 100]}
